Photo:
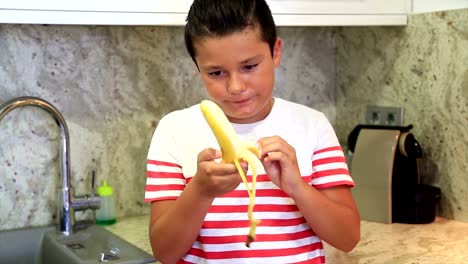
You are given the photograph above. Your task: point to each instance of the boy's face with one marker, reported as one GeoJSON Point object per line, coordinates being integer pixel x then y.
{"type": "Point", "coordinates": [239, 73]}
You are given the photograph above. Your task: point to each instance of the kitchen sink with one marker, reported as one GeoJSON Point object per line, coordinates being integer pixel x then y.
{"type": "Point", "coordinates": [44, 245]}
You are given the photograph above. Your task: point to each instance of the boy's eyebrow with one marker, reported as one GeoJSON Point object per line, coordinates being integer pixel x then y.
{"type": "Point", "coordinates": [252, 59]}
{"type": "Point", "coordinates": [210, 68]}
{"type": "Point", "coordinates": [214, 67]}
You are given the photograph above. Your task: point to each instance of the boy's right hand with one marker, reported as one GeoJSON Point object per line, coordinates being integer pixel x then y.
{"type": "Point", "coordinates": [216, 178]}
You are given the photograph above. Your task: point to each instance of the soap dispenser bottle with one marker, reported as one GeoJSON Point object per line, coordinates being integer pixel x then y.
{"type": "Point", "coordinates": [105, 215]}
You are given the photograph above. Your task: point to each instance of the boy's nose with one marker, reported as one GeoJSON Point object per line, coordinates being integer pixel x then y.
{"type": "Point", "coordinates": [235, 84]}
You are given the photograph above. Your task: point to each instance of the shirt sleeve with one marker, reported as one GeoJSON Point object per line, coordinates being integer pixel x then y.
{"type": "Point", "coordinates": [165, 180]}
{"type": "Point", "coordinates": [329, 167]}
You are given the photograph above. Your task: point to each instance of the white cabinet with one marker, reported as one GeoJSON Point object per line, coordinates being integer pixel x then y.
{"type": "Point", "coordinates": [340, 12]}
{"type": "Point", "coordinates": [425, 6]}
{"type": "Point", "coordinates": [174, 12]}
{"type": "Point", "coordinates": [95, 12]}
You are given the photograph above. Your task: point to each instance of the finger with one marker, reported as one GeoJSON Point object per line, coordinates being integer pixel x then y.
{"type": "Point", "coordinates": [271, 147]}
{"type": "Point", "coordinates": [224, 169]}
{"type": "Point", "coordinates": [208, 155]}
{"type": "Point", "coordinates": [275, 144]}
{"type": "Point", "coordinates": [276, 156]}
{"type": "Point", "coordinates": [268, 141]}
{"type": "Point", "coordinates": [244, 165]}
{"type": "Point", "coordinates": [217, 168]}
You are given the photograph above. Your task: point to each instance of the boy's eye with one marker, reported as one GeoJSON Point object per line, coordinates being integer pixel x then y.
{"type": "Point", "coordinates": [250, 67]}
{"type": "Point", "coordinates": [216, 73]}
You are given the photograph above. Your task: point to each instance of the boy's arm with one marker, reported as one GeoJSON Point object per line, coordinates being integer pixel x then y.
{"type": "Point", "coordinates": [331, 213]}
{"type": "Point", "coordinates": [176, 224]}
{"type": "Point", "coordinates": [326, 201]}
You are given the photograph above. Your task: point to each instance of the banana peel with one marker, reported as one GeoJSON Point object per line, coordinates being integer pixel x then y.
{"type": "Point", "coordinates": [234, 151]}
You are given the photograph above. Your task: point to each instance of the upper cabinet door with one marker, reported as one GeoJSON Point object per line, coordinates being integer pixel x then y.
{"type": "Point", "coordinates": [340, 12]}
{"type": "Point", "coordinates": [174, 12]}
{"type": "Point", "coordinates": [131, 6]}
{"type": "Point", "coordinates": [347, 7]}
{"type": "Point", "coordinates": [95, 12]}
{"type": "Point", "coordinates": [424, 6]}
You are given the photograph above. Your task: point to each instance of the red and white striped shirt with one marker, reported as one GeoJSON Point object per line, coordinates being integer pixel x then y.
{"type": "Point", "coordinates": [283, 236]}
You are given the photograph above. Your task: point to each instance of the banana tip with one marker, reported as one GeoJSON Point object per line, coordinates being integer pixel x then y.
{"type": "Point", "coordinates": [250, 239]}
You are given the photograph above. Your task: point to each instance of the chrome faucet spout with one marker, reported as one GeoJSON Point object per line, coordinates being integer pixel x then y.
{"type": "Point", "coordinates": [65, 208]}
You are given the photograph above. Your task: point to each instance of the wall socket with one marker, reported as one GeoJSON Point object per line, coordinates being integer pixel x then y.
{"type": "Point", "coordinates": [384, 115]}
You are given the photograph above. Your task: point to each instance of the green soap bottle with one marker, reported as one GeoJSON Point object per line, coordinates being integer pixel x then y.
{"type": "Point", "coordinates": [105, 215]}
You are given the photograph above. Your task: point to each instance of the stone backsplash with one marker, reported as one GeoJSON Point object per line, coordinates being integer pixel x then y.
{"type": "Point", "coordinates": [112, 85]}
{"type": "Point", "coordinates": [423, 68]}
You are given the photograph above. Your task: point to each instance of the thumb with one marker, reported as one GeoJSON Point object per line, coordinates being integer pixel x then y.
{"type": "Point", "coordinates": [244, 165]}
{"type": "Point", "coordinates": [209, 154]}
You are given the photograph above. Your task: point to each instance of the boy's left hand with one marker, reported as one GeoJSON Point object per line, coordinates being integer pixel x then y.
{"type": "Point", "coordinates": [280, 163]}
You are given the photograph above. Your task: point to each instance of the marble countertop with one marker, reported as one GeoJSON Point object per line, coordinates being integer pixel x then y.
{"type": "Point", "coordinates": [443, 241]}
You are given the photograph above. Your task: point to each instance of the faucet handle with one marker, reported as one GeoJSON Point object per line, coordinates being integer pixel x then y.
{"type": "Point", "coordinates": [88, 201]}
{"type": "Point", "coordinates": [93, 181]}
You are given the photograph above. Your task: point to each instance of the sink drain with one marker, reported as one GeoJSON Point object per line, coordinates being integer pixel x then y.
{"type": "Point", "coordinates": [75, 246]}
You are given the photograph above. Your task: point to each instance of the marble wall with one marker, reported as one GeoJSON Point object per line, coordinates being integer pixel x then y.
{"type": "Point", "coordinates": [112, 85]}
{"type": "Point", "coordinates": [423, 68]}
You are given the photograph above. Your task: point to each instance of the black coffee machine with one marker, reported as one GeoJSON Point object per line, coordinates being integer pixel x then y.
{"type": "Point", "coordinates": [384, 167]}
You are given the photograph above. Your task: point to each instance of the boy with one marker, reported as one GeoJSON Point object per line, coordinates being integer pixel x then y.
{"type": "Point", "coordinates": [199, 205]}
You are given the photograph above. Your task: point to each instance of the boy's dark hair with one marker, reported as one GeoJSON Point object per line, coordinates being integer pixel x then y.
{"type": "Point", "coordinates": [217, 18]}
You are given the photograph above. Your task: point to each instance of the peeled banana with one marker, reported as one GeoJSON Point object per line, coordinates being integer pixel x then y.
{"type": "Point", "coordinates": [234, 151]}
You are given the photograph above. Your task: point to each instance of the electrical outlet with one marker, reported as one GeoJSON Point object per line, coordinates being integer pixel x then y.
{"type": "Point", "coordinates": [384, 115]}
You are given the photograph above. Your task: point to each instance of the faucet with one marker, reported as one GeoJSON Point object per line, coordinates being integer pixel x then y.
{"type": "Point", "coordinates": [67, 204]}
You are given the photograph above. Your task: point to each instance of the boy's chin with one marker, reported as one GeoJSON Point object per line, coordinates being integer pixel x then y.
{"type": "Point", "coordinates": [243, 118]}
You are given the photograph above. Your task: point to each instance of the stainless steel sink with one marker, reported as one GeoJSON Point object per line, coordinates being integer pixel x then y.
{"type": "Point", "coordinates": [44, 245]}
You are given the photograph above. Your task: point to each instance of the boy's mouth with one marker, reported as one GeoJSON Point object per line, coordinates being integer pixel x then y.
{"type": "Point", "coordinates": [243, 101]}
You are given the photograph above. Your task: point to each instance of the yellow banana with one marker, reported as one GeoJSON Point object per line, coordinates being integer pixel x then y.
{"type": "Point", "coordinates": [234, 151]}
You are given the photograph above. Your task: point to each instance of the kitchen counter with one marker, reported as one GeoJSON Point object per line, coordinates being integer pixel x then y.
{"type": "Point", "coordinates": [443, 241]}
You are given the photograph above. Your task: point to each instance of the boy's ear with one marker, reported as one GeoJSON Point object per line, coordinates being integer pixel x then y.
{"type": "Point", "coordinates": [277, 52]}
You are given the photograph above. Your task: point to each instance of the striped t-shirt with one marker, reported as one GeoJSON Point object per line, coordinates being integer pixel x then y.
{"type": "Point", "coordinates": [283, 236]}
